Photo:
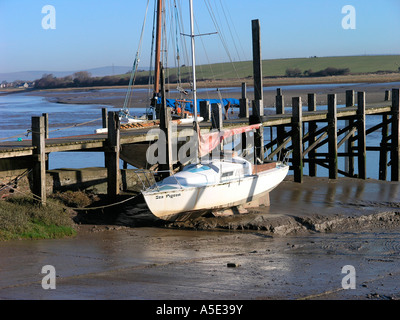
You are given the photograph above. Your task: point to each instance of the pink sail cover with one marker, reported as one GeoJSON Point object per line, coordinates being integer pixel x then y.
{"type": "Point", "coordinates": [209, 141]}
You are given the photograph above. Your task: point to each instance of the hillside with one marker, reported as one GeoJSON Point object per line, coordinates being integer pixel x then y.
{"type": "Point", "coordinates": [278, 67]}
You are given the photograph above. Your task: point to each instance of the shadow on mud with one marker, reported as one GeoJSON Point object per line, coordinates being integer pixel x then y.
{"type": "Point", "coordinates": [132, 213]}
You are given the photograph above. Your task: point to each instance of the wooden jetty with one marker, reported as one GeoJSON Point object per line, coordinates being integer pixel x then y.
{"type": "Point", "coordinates": [300, 132]}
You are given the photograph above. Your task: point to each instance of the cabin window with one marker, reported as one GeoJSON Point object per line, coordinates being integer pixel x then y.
{"type": "Point", "coordinates": [227, 174]}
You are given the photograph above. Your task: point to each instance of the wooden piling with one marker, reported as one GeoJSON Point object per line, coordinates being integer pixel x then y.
{"type": "Point", "coordinates": [257, 104]}
{"type": "Point", "coordinates": [244, 103]}
{"type": "Point", "coordinates": [46, 135]}
{"type": "Point", "coordinates": [39, 159]}
{"type": "Point", "coordinates": [279, 109]}
{"type": "Point", "coordinates": [383, 150]}
{"type": "Point", "coordinates": [112, 155]}
{"type": "Point", "coordinates": [349, 160]}
{"type": "Point", "coordinates": [257, 68]}
{"type": "Point", "coordinates": [332, 137]}
{"type": "Point", "coordinates": [297, 137]}
{"type": "Point", "coordinates": [205, 110]}
{"type": "Point", "coordinates": [395, 141]}
{"type": "Point", "coordinates": [216, 120]}
{"type": "Point", "coordinates": [216, 116]}
{"type": "Point", "coordinates": [361, 136]}
{"type": "Point", "coordinates": [104, 117]}
{"type": "Point", "coordinates": [312, 128]}
{"type": "Point", "coordinates": [387, 95]}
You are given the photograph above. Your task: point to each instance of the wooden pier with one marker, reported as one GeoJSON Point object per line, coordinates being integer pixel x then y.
{"type": "Point", "coordinates": [301, 133]}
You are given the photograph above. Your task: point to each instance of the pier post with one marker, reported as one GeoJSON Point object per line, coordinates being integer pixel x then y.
{"type": "Point", "coordinates": [361, 136]}
{"type": "Point", "coordinates": [312, 128]}
{"type": "Point", "coordinates": [280, 109]}
{"type": "Point", "coordinates": [216, 116]}
{"type": "Point", "coordinates": [46, 135]}
{"type": "Point", "coordinates": [112, 155]}
{"type": "Point", "coordinates": [216, 120]}
{"type": "Point", "coordinates": [332, 137]}
{"type": "Point", "coordinates": [104, 117]}
{"type": "Point", "coordinates": [257, 69]}
{"type": "Point", "coordinates": [39, 159]}
{"type": "Point", "coordinates": [297, 137]}
{"type": "Point", "coordinates": [244, 103]}
{"type": "Point", "coordinates": [349, 144]}
{"type": "Point", "coordinates": [395, 143]}
{"type": "Point", "coordinates": [257, 104]}
{"type": "Point", "coordinates": [387, 95]}
{"type": "Point", "coordinates": [383, 150]}
{"type": "Point", "coordinates": [205, 110]}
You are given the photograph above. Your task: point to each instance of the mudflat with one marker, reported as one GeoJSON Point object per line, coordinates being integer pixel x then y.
{"type": "Point", "coordinates": [373, 85]}
{"type": "Point", "coordinates": [300, 247]}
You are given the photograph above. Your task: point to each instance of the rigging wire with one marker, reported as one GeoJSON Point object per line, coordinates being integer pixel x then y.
{"type": "Point", "coordinates": [135, 64]}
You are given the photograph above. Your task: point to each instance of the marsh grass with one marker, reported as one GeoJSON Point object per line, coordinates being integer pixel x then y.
{"type": "Point", "coordinates": [22, 218]}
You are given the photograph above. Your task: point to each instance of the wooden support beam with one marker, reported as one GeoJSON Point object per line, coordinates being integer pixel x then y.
{"type": "Point", "coordinates": [112, 155]}
{"type": "Point", "coordinates": [104, 117]}
{"type": "Point", "coordinates": [46, 135]}
{"type": "Point", "coordinates": [349, 161]}
{"type": "Point", "coordinates": [257, 67]}
{"type": "Point", "coordinates": [216, 118]}
{"type": "Point", "coordinates": [205, 110]}
{"type": "Point", "coordinates": [257, 105]}
{"type": "Point", "coordinates": [313, 146]}
{"type": "Point", "coordinates": [387, 95]}
{"type": "Point", "coordinates": [280, 109]}
{"type": "Point", "coordinates": [361, 136]}
{"type": "Point", "coordinates": [217, 121]}
{"type": "Point", "coordinates": [383, 152]}
{"type": "Point", "coordinates": [395, 142]}
{"type": "Point", "coordinates": [39, 159]}
{"type": "Point", "coordinates": [332, 137]}
{"type": "Point", "coordinates": [346, 137]}
{"type": "Point", "coordinates": [244, 103]}
{"type": "Point", "coordinates": [278, 149]}
{"type": "Point", "coordinates": [297, 135]}
{"type": "Point", "coordinates": [312, 128]}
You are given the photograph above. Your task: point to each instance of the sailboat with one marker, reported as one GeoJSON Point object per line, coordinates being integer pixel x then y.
{"type": "Point", "coordinates": [213, 184]}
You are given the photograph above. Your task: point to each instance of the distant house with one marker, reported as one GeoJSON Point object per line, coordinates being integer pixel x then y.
{"type": "Point", "coordinates": [24, 86]}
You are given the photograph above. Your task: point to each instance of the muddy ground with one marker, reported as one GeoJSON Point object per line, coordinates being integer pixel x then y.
{"type": "Point", "coordinates": [294, 249]}
{"type": "Point", "coordinates": [115, 96]}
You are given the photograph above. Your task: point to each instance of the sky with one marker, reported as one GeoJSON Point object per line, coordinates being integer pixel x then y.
{"type": "Point", "coordinates": [84, 34]}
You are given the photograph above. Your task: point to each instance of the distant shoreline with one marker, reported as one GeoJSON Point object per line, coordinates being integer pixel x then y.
{"type": "Point", "coordinates": [99, 95]}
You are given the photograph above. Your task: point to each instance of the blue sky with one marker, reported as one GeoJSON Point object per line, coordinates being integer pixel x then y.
{"type": "Point", "coordinates": [96, 33]}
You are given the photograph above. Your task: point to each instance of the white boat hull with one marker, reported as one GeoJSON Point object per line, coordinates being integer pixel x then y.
{"type": "Point", "coordinates": [179, 203]}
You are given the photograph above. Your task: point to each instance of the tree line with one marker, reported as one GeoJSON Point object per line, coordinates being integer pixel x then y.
{"type": "Point", "coordinates": [85, 79]}
{"type": "Point", "coordinates": [330, 71]}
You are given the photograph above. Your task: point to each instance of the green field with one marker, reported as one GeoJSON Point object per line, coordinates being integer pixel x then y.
{"type": "Point", "coordinates": [274, 68]}
{"type": "Point", "coordinates": [278, 67]}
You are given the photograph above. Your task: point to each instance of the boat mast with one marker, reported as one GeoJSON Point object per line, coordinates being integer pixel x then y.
{"type": "Point", "coordinates": [193, 64]}
{"type": "Point", "coordinates": [158, 50]}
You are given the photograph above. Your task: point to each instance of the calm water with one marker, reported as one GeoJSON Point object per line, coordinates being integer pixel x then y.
{"type": "Point", "coordinates": [17, 110]}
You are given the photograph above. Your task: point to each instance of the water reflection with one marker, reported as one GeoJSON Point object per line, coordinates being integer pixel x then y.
{"type": "Point", "coordinates": [316, 194]}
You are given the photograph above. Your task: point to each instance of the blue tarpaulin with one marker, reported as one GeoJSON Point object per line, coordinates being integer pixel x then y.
{"type": "Point", "coordinates": [189, 104]}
